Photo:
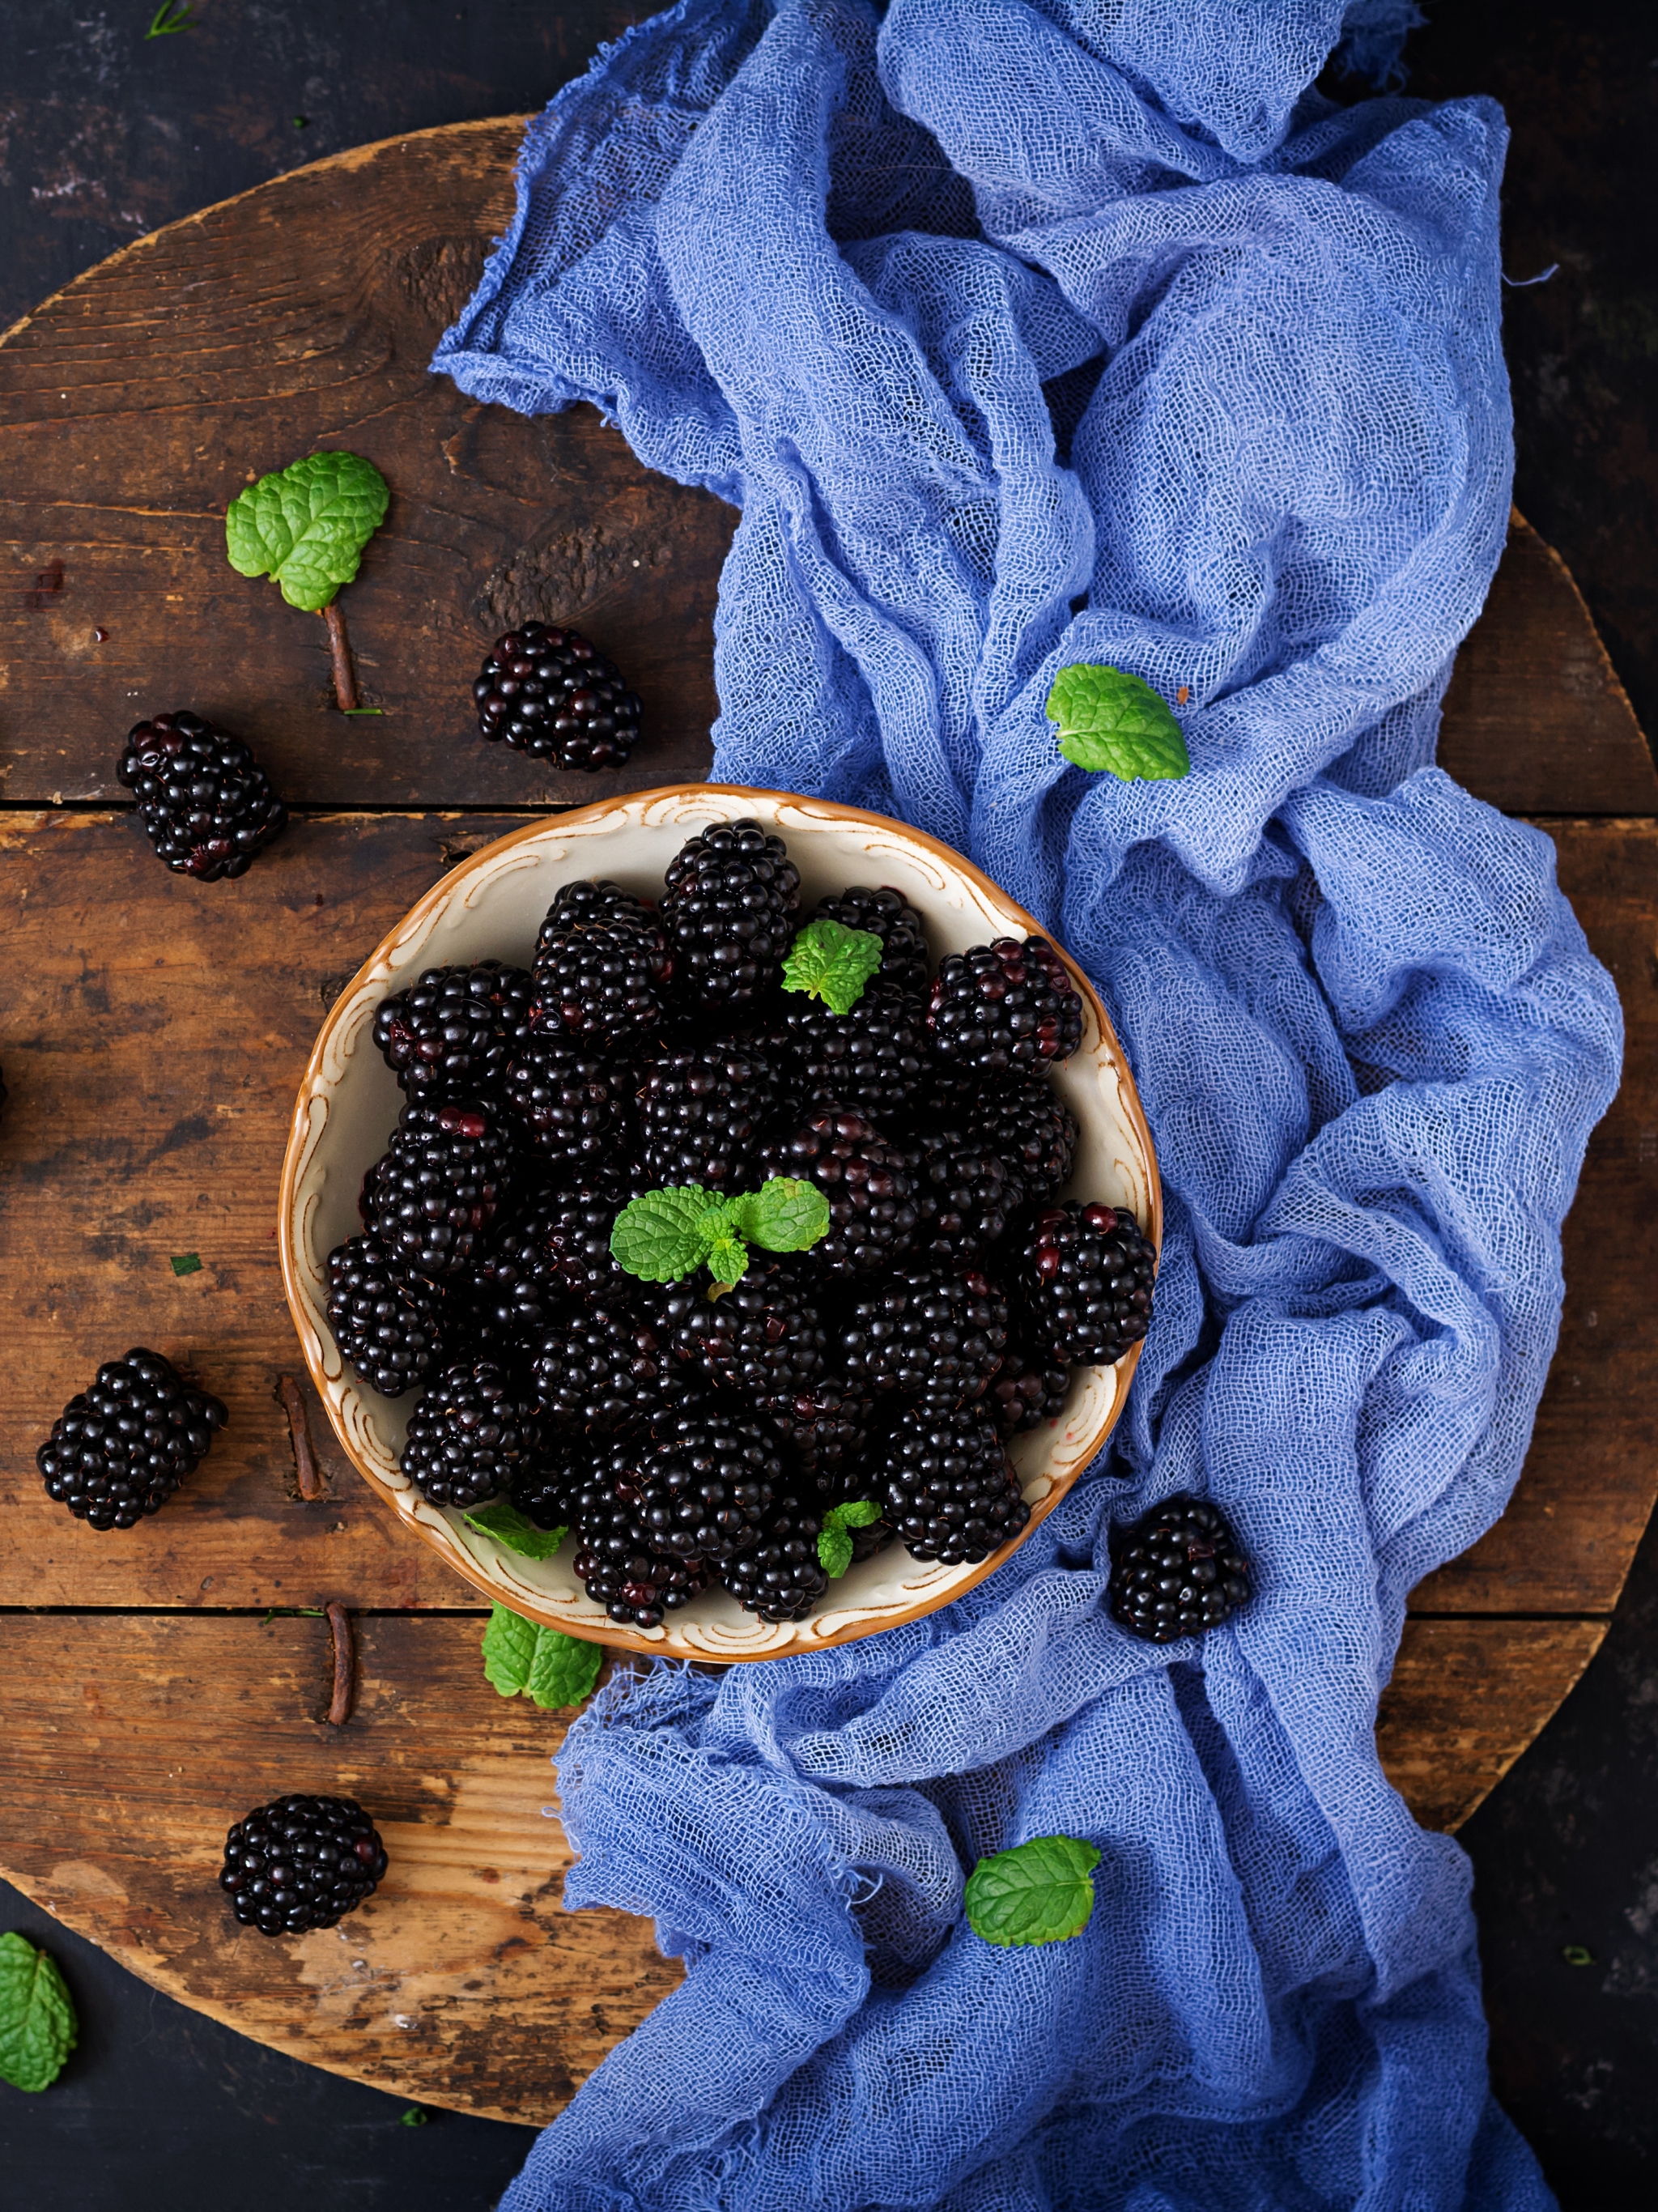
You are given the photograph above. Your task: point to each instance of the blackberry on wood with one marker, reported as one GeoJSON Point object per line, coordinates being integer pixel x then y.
{"type": "Point", "coordinates": [203, 797]}
{"type": "Point", "coordinates": [889, 915]}
{"type": "Point", "coordinates": [949, 1491]}
{"type": "Point", "coordinates": [577, 1241]}
{"type": "Point", "coordinates": [764, 1337]}
{"type": "Point", "coordinates": [601, 965]}
{"type": "Point", "coordinates": [964, 1193]}
{"type": "Point", "coordinates": [302, 1862]}
{"type": "Point", "coordinates": [1001, 1006]}
{"type": "Point", "coordinates": [866, 1180]}
{"type": "Point", "coordinates": [618, 1566]}
{"type": "Point", "coordinates": [1030, 1127]}
{"type": "Point", "coordinates": [872, 1058]}
{"type": "Point", "coordinates": [700, 1112]}
{"type": "Point", "coordinates": [707, 1479]}
{"type": "Point", "coordinates": [120, 1448]}
{"type": "Point", "coordinates": [573, 1104]}
{"type": "Point", "coordinates": [732, 906]}
{"type": "Point", "coordinates": [456, 1029]}
{"type": "Point", "coordinates": [1177, 1572]}
{"type": "Point", "coordinates": [1083, 1283]}
{"type": "Point", "coordinates": [550, 693]}
{"type": "Point", "coordinates": [432, 1194]}
{"type": "Point", "coordinates": [782, 1578]}
{"type": "Point", "coordinates": [387, 1323]}
{"type": "Point", "coordinates": [926, 1334]}
{"type": "Point", "coordinates": [596, 1369]}
{"type": "Point", "coordinates": [471, 1434]}
{"type": "Point", "coordinates": [1026, 1391]}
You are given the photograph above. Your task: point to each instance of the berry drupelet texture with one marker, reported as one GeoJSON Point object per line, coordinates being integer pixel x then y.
{"type": "Point", "coordinates": [949, 1491]}
{"type": "Point", "coordinates": [573, 1105]}
{"type": "Point", "coordinates": [765, 1338]}
{"type": "Point", "coordinates": [203, 799]}
{"type": "Point", "coordinates": [889, 915]}
{"type": "Point", "coordinates": [1001, 1006]}
{"type": "Point", "coordinates": [701, 1110]}
{"type": "Point", "coordinates": [120, 1448]}
{"type": "Point", "coordinates": [1031, 1130]}
{"type": "Point", "coordinates": [598, 1368]}
{"type": "Point", "coordinates": [872, 1058]}
{"type": "Point", "coordinates": [456, 1030]}
{"type": "Point", "coordinates": [925, 1333]}
{"type": "Point", "coordinates": [387, 1323]}
{"type": "Point", "coordinates": [964, 1193]}
{"type": "Point", "coordinates": [1177, 1572]}
{"type": "Point", "coordinates": [549, 693]}
{"type": "Point", "coordinates": [576, 1239]}
{"type": "Point", "coordinates": [867, 1181]}
{"type": "Point", "coordinates": [602, 967]}
{"type": "Point", "coordinates": [705, 1479]}
{"type": "Point", "coordinates": [781, 1577]}
{"type": "Point", "coordinates": [1083, 1284]}
{"type": "Point", "coordinates": [302, 1862]}
{"type": "Point", "coordinates": [470, 1435]}
{"type": "Point", "coordinates": [513, 1293]}
{"type": "Point", "coordinates": [429, 1198]}
{"type": "Point", "coordinates": [616, 1562]}
{"type": "Point", "coordinates": [1025, 1392]}
{"type": "Point", "coordinates": [731, 906]}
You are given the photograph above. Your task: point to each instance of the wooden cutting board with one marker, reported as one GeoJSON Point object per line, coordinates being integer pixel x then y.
{"type": "Point", "coordinates": [152, 1039]}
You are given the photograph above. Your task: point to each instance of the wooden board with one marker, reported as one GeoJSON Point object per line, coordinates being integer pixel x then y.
{"type": "Point", "coordinates": [155, 1030]}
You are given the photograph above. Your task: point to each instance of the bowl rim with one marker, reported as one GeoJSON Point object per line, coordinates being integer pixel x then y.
{"type": "Point", "coordinates": [453, 1552]}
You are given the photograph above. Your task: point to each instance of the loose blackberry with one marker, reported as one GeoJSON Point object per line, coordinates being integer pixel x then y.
{"type": "Point", "coordinates": [302, 1862]}
{"type": "Point", "coordinates": [471, 1434]}
{"type": "Point", "coordinates": [1001, 1006]}
{"type": "Point", "coordinates": [782, 1578]}
{"type": "Point", "coordinates": [733, 905]}
{"type": "Point", "coordinates": [432, 1192]}
{"type": "Point", "coordinates": [601, 966]}
{"type": "Point", "coordinates": [634, 1581]}
{"type": "Point", "coordinates": [597, 1369]}
{"type": "Point", "coordinates": [1177, 1572]}
{"type": "Point", "coordinates": [867, 1182]}
{"type": "Point", "coordinates": [121, 1447]}
{"type": "Point", "coordinates": [706, 1480]}
{"type": "Point", "coordinates": [927, 1333]}
{"type": "Point", "coordinates": [1025, 1392]}
{"type": "Point", "coordinates": [456, 1029]}
{"type": "Point", "coordinates": [388, 1324]}
{"type": "Point", "coordinates": [573, 1104]}
{"type": "Point", "coordinates": [700, 1112]}
{"type": "Point", "coordinates": [949, 1491]}
{"type": "Point", "coordinates": [202, 798]}
{"type": "Point", "coordinates": [1028, 1127]}
{"type": "Point", "coordinates": [764, 1337]}
{"type": "Point", "coordinates": [577, 1241]}
{"type": "Point", "coordinates": [889, 915]}
{"type": "Point", "coordinates": [964, 1193]}
{"type": "Point", "coordinates": [1083, 1284]}
{"type": "Point", "coordinates": [872, 1058]}
{"type": "Point", "coordinates": [550, 693]}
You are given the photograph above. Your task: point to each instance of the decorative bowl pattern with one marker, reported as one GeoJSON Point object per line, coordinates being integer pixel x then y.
{"type": "Point", "coordinates": [492, 905]}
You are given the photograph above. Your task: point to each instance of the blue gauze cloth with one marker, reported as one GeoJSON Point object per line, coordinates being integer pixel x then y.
{"type": "Point", "coordinates": [1086, 331]}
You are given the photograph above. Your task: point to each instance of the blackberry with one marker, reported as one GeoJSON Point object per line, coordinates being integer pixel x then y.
{"type": "Point", "coordinates": [577, 1241]}
{"type": "Point", "coordinates": [456, 1029]}
{"type": "Point", "coordinates": [733, 905]}
{"type": "Point", "coordinates": [1177, 1572]}
{"type": "Point", "coordinates": [513, 1292]}
{"type": "Point", "coordinates": [573, 1104]}
{"type": "Point", "coordinates": [964, 1193]}
{"type": "Point", "coordinates": [889, 915]}
{"type": "Point", "coordinates": [550, 693]}
{"type": "Point", "coordinates": [202, 796]}
{"type": "Point", "coordinates": [928, 1334]}
{"type": "Point", "coordinates": [782, 1578]}
{"type": "Point", "coordinates": [1001, 1006]}
{"type": "Point", "coordinates": [597, 1369]}
{"type": "Point", "coordinates": [121, 1447]}
{"type": "Point", "coordinates": [706, 1481]}
{"type": "Point", "coordinates": [1026, 1392]}
{"type": "Point", "coordinates": [601, 966]}
{"type": "Point", "coordinates": [547, 1492]}
{"type": "Point", "coordinates": [866, 1180]}
{"type": "Point", "coordinates": [620, 1569]}
{"type": "Point", "coordinates": [432, 1192]}
{"type": "Point", "coordinates": [1030, 1127]}
{"type": "Point", "coordinates": [1083, 1284]}
{"type": "Point", "coordinates": [763, 1337]}
{"type": "Point", "coordinates": [387, 1323]}
{"type": "Point", "coordinates": [872, 1058]}
{"type": "Point", "coordinates": [827, 1432]}
{"type": "Point", "coordinates": [471, 1434]}
{"type": "Point", "coordinates": [950, 1494]}
{"type": "Point", "coordinates": [302, 1862]}
{"type": "Point", "coordinates": [701, 1111]}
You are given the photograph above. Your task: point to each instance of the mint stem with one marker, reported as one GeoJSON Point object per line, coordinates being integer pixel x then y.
{"type": "Point", "coordinates": [339, 651]}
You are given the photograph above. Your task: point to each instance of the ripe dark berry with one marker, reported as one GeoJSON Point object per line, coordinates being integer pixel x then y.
{"type": "Point", "coordinates": [616, 1562]}
{"type": "Point", "coordinates": [577, 1241]}
{"type": "Point", "coordinates": [387, 1323]}
{"type": "Point", "coordinates": [1002, 1007]}
{"type": "Point", "coordinates": [949, 1491]}
{"type": "Point", "coordinates": [302, 1862]}
{"type": "Point", "coordinates": [456, 1029]}
{"type": "Point", "coordinates": [431, 1195]}
{"type": "Point", "coordinates": [596, 1370]}
{"type": "Point", "coordinates": [889, 915]}
{"type": "Point", "coordinates": [1177, 1572]}
{"type": "Point", "coordinates": [601, 966]}
{"type": "Point", "coordinates": [781, 1577]}
{"type": "Point", "coordinates": [573, 1104]}
{"type": "Point", "coordinates": [550, 693]}
{"type": "Point", "coordinates": [826, 1430]}
{"type": "Point", "coordinates": [731, 905]}
{"type": "Point", "coordinates": [705, 1478]}
{"type": "Point", "coordinates": [867, 1182]}
{"type": "Point", "coordinates": [471, 1434]}
{"type": "Point", "coordinates": [202, 796]}
{"type": "Point", "coordinates": [700, 1112]}
{"type": "Point", "coordinates": [120, 1448]}
{"type": "Point", "coordinates": [964, 1193]}
{"type": "Point", "coordinates": [1030, 1127]}
{"type": "Point", "coordinates": [925, 1333]}
{"type": "Point", "coordinates": [872, 1059]}
{"type": "Point", "coordinates": [1083, 1284]}
{"type": "Point", "coordinates": [513, 1293]}
{"type": "Point", "coordinates": [764, 1338]}
{"type": "Point", "coordinates": [1024, 1392]}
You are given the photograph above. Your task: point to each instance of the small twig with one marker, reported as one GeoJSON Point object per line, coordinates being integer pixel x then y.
{"type": "Point", "coordinates": [299, 1430]}
{"type": "Point", "coordinates": [339, 651]}
{"type": "Point", "coordinates": [345, 1667]}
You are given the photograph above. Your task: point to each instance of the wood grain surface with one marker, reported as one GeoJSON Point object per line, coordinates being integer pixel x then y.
{"type": "Point", "coordinates": [154, 1032]}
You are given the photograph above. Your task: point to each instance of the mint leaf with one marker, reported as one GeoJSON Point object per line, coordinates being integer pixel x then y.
{"type": "Point", "coordinates": [1111, 720]}
{"type": "Point", "coordinates": [543, 1664]}
{"type": "Point", "coordinates": [37, 2019]}
{"type": "Point", "coordinates": [728, 1255]}
{"type": "Point", "coordinates": [828, 961]}
{"type": "Point", "coordinates": [784, 1215]}
{"type": "Point", "coordinates": [1041, 1892]}
{"type": "Point", "coordinates": [834, 1545]}
{"type": "Point", "coordinates": [304, 526]}
{"type": "Point", "coordinates": [509, 1651]}
{"type": "Point", "coordinates": [515, 1531]}
{"type": "Point", "coordinates": [661, 1236]}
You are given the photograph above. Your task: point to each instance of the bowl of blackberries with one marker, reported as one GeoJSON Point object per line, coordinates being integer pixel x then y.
{"type": "Point", "coordinates": [721, 1223]}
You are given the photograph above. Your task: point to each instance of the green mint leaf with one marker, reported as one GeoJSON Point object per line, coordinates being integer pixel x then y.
{"type": "Point", "coordinates": [784, 1215]}
{"type": "Point", "coordinates": [564, 1669]}
{"type": "Point", "coordinates": [37, 2018]}
{"type": "Point", "coordinates": [413, 2116]}
{"type": "Point", "coordinates": [660, 1235]}
{"type": "Point", "coordinates": [1111, 720]}
{"type": "Point", "coordinates": [304, 526]}
{"type": "Point", "coordinates": [186, 1263]}
{"type": "Point", "coordinates": [509, 1649]}
{"type": "Point", "coordinates": [828, 961]}
{"type": "Point", "coordinates": [1041, 1892]}
{"type": "Point", "coordinates": [727, 1256]}
{"type": "Point", "coordinates": [834, 1545]}
{"type": "Point", "coordinates": [515, 1531]}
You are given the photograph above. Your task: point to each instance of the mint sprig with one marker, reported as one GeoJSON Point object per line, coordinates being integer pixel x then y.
{"type": "Point", "coordinates": [304, 526]}
{"type": "Point", "coordinates": [828, 961]}
{"type": "Point", "coordinates": [543, 1664]}
{"type": "Point", "coordinates": [835, 1544]}
{"type": "Point", "coordinates": [665, 1234]}
{"type": "Point", "coordinates": [1111, 720]}
{"type": "Point", "coordinates": [37, 2016]}
{"type": "Point", "coordinates": [515, 1531]}
{"type": "Point", "coordinates": [1041, 1892]}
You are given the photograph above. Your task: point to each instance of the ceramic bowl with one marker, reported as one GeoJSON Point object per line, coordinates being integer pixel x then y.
{"type": "Point", "coordinates": [491, 905]}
